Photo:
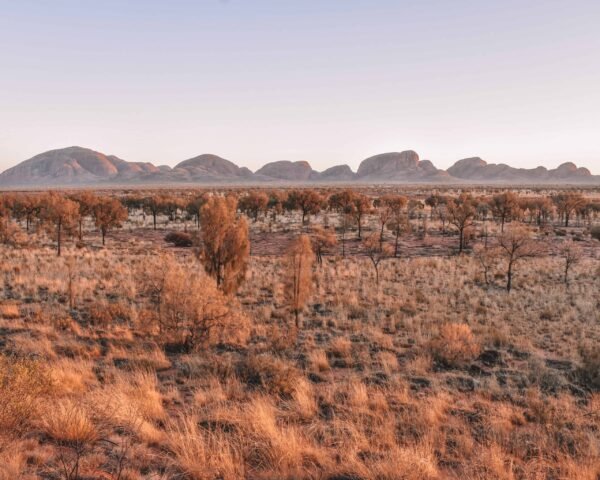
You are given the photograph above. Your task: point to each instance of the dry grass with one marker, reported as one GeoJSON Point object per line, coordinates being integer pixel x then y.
{"type": "Point", "coordinates": [432, 375]}
{"type": "Point", "coordinates": [69, 423]}
{"type": "Point", "coordinates": [455, 345]}
{"type": "Point", "coordinates": [200, 454]}
{"type": "Point", "coordinates": [9, 311]}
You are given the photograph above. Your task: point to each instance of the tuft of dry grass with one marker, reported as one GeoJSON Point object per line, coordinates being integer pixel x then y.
{"type": "Point", "coordinates": [200, 454]}
{"type": "Point", "coordinates": [69, 423]}
{"type": "Point", "coordinates": [455, 345]}
{"type": "Point", "coordinates": [9, 311]}
{"type": "Point", "coordinates": [23, 385]}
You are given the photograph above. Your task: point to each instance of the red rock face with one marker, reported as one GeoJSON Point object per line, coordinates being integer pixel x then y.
{"type": "Point", "coordinates": [286, 170]}
{"type": "Point", "coordinates": [211, 166]}
{"type": "Point", "coordinates": [388, 162]}
{"type": "Point", "coordinates": [337, 174]}
{"type": "Point", "coordinates": [82, 166]}
{"type": "Point", "coordinates": [403, 166]}
{"type": "Point", "coordinates": [476, 169]}
{"type": "Point", "coordinates": [71, 165]}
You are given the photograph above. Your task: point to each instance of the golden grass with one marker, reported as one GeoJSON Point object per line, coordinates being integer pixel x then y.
{"type": "Point", "coordinates": [380, 383]}
{"type": "Point", "coordinates": [202, 455]}
{"type": "Point", "coordinates": [9, 311]}
{"type": "Point", "coordinates": [70, 423]}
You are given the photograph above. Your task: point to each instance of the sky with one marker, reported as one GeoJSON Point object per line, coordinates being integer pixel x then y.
{"type": "Point", "coordinates": [327, 81]}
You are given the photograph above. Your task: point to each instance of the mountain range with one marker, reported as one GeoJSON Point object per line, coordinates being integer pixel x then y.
{"type": "Point", "coordinates": [77, 166]}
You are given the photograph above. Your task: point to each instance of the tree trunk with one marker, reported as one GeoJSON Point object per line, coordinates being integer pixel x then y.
{"type": "Point", "coordinates": [485, 233]}
{"type": "Point", "coordinates": [218, 275]}
{"type": "Point", "coordinates": [103, 236]}
{"type": "Point", "coordinates": [396, 244]}
{"type": "Point", "coordinates": [509, 277]}
{"type": "Point", "coordinates": [58, 237]}
{"type": "Point", "coordinates": [71, 303]}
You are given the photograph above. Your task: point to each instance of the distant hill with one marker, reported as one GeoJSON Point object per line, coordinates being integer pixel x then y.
{"type": "Point", "coordinates": [290, 171]}
{"type": "Point", "coordinates": [211, 167]}
{"type": "Point", "coordinates": [338, 173]}
{"type": "Point", "coordinates": [403, 167]}
{"type": "Point", "coordinates": [77, 166]}
{"type": "Point", "coordinates": [476, 169]}
{"type": "Point", "coordinates": [73, 166]}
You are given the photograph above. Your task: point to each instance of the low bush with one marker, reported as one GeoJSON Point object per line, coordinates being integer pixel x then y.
{"type": "Point", "coordinates": [179, 239]}
{"type": "Point", "coordinates": [589, 371]}
{"type": "Point", "coordinates": [23, 384]}
{"type": "Point", "coordinates": [455, 345]}
{"type": "Point", "coordinates": [269, 373]}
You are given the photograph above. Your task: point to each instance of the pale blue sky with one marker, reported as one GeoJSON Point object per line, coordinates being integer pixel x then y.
{"type": "Point", "coordinates": [319, 80]}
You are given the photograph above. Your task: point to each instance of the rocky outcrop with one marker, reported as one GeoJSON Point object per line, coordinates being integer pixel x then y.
{"type": "Point", "coordinates": [399, 167]}
{"type": "Point", "coordinates": [339, 173]}
{"type": "Point", "coordinates": [286, 170]}
{"type": "Point", "coordinates": [209, 167]}
{"type": "Point", "coordinates": [477, 170]}
{"type": "Point", "coordinates": [72, 165]}
{"type": "Point", "coordinates": [467, 167]}
{"type": "Point", "coordinates": [82, 166]}
{"type": "Point", "coordinates": [569, 170]}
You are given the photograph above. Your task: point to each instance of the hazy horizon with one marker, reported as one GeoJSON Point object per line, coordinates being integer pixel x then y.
{"type": "Point", "coordinates": [327, 82]}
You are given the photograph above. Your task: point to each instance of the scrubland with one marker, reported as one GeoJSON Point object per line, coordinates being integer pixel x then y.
{"type": "Point", "coordinates": [130, 361]}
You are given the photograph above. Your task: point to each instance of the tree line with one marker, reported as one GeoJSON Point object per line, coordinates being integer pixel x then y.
{"type": "Point", "coordinates": [222, 243]}
{"type": "Point", "coordinates": [64, 215]}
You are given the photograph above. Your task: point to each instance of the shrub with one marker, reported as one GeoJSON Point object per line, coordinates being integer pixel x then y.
{"type": "Point", "coordinates": [107, 314]}
{"type": "Point", "coordinates": [595, 232]}
{"type": "Point", "coordinates": [11, 234]}
{"type": "Point", "coordinates": [589, 372]}
{"type": "Point", "coordinates": [272, 374]}
{"type": "Point", "coordinates": [187, 308]}
{"type": "Point", "coordinates": [455, 345]}
{"type": "Point", "coordinates": [201, 454]}
{"type": "Point", "coordinates": [340, 347]}
{"type": "Point", "coordinates": [70, 426]}
{"type": "Point", "coordinates": [23, 383]}
{"type": "Point", "coordinates": [69, 423]}
{"type": "Point", "coordinates": [179, 239]}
